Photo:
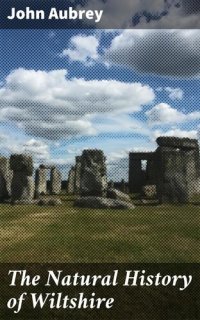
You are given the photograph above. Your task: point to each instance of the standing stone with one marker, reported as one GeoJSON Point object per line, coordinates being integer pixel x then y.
{"type": "Point", "coordinates": [93, 173]}
{"type": "Point", "coordinates": [178, 169]}
{"type": "Point", "coordinates": [71, 181]}
{"type": "Point", "coordinates": [41, 181]}
{"type": "Point", "coordinates": [5, 179]}
{"type": "Point", "coordinates": [22, 187]}
{"type": "Point", "coordinates": [136, 178]}
{"type": "Point", "coordinates": [77, 177]}
{"type": "Point", "coordinates": [55, 181]}
{"type": "Point", "coordinates": [151, 172]}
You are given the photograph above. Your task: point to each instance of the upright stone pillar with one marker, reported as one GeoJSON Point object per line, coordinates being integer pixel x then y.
{"type": "Point", "coordinates": [77, 178]}
{"type": "Point", "coordinates": [71, 181]}
{"type": "Point", "coordinates": [55, 181]}
{"type": "Point", "coordinates": [41, 181]}
{"type": "Point", "coordinates": [22, 187]}
{"type": "Point", "coordinates": [136, 176]}
{"type": "Point", "coordinates": [93, 173]}
{"type": "Point", "coordinates": [178, 169]}
{"type": "Point", "coordinates": [5, 179]}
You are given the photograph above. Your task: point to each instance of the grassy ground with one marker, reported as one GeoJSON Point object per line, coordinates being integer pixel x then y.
{"type": "Point", "coordinates": [163, 233]}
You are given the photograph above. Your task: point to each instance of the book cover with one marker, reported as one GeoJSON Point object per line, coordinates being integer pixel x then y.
{"type": "Point", "coordinates": [99, 159]}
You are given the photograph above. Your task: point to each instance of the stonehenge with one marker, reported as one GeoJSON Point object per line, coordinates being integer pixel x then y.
{"type": "Point", "coordinates": [178, 163]}
{"type": "Point", "coordinates": [173, 169]}
{"type": "Point", "coordinates": [71, 181]}
{"type": "Point", "coordinates": [102, 203]}
{"type": "Point", "coordinates": [22, 186]}
{"type": "Point", "coordinates": [94, 188]}
{"type": "Point", "coordinates": [55, 181]}
{"type": "Point", "coordinates": [41, 181]}
{"type": "Point", "coordinates": [17, 182]}
{"type": "Point", "coordinates": [77, 175]}
{"type": "Point", "coordinates": [170, 174]}
{"type": "Point", "coordinates": [74, 178]}
{"type": "Point", "coordinates": [93, 173]}
{"type": "Point", "coordinates": [5, 179]}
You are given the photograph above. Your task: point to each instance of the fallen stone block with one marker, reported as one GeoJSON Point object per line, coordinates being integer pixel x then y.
{"type": "Point", "coordinates": [149, 191]}
{"type": "Point", "coordinates": [102, 203]}
{"type": "Point", "coordinates": [118, 195]}
{"type": "Point", "coordinates": [49, 202]}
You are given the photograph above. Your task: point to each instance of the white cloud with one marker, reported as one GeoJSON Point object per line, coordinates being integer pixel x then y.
{"type": "Point", "coordinates": [48, 105]}
{"type": "Point", "coordinates": [82, 48]}
{"type": "Point", "coordinates": [172, 53]}
{"type": "Point", "coordinates": [119, 124]}
{"type": "Point", "coordinates": [38, 149]}
{"type": "Point", "coordinates": [175, 93]}
{"type": "Point", "coordinates": [163, 113]}
{"type": "Point", "coordinates": [192, 134]}
{"type": "Point", "coordinates": [13, 144]}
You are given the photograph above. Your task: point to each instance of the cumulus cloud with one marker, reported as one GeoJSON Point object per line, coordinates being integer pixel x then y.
{"type": "Point", "coordinates": [34, 147]}
{"type": "Point", "coordinates": [163, 113]}
{"type": "Point", "coordinates": [119, 124]}
{"type": "Point", "coordinates": [175, 93]}
{"type": "Point", "coordinates": [37, 148]}
{"type": "Point", "coordinates": [51, 106]}
{"type": "Point", "coordinates": [192, 134]}
{"type": "Point", "coordinates": [82, 48]}
{"type": "Point", "coordinates": [172, 53]}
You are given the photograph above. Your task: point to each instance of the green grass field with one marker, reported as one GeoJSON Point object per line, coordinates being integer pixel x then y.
{"type": "Point", "coordinates": [166, 233]}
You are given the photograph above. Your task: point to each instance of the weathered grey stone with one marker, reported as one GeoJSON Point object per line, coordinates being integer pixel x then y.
{"type": "Point", "coordinates": [177, 142]}
{"type": "Point", "coordinates": [111, 184]}
{"type": "Point", "coordinates": [77, 177]}
{"type": "Point", "coordinates": [192, 171]}
{"type": "Point", "coordinates": [55, 181]}
{"type": "Point", "coordinates": [174, 168]}
{"type": "Point", "coordinates": [102, 203]}
{"type": "Point", "coordinates": [49, 202]}
{"type": "Point", "coordinates": [5, 179]}
{"type": "Point", "coordinates": [149, 191]}
{"type": "Point", "coordinates": [175, 190]}
{"type": "Point", "coordinates": [22, 187]}
{"type": "Point", "coordinates": [93, 173]}
{"type": "Point", "coordinates": [40, 181]}
{"type": "Point", "coordinates": [116, 194]}
{"type": "Point", "coordinates": [71, 181]}
{"type": "Point", "coordinates": [21, 162]}
{"type": "Point", "coordinates": [178, 174]}
{"type": "Point", "coordinates": [151, 172]}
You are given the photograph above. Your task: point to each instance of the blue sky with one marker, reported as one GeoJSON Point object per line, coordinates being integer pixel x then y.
{"type": "Point", "coordinates": [66, 90]}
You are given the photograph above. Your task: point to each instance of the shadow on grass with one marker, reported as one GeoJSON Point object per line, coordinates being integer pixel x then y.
{"type": "Point", "coordinates": [146, 204]}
